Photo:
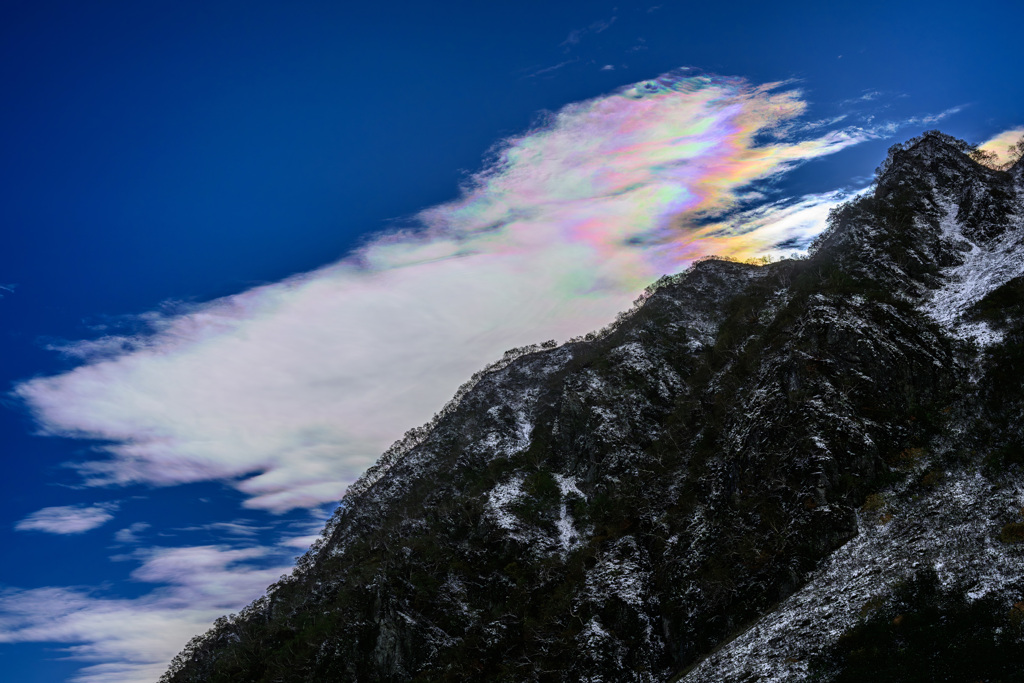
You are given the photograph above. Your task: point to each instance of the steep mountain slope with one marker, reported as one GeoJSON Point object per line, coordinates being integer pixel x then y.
{"type": "Point", "coordinates": [716, 487]}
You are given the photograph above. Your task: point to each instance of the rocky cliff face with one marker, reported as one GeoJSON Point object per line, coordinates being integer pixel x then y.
{"type": "Point", "coordinates": [754, 461]}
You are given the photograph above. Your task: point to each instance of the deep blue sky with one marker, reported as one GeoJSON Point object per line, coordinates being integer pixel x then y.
{"type": "Point", "coordinates": [182, 151]}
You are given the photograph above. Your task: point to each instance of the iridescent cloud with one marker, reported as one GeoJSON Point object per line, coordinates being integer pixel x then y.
{"type": "Point", "coordinates": [289, 391]}
{"type": "Point", "coordinates": [1000, 144]}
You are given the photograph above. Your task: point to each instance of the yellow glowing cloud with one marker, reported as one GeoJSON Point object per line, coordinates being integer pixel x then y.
{"type": "Point", "coordinates": [1001, 144]}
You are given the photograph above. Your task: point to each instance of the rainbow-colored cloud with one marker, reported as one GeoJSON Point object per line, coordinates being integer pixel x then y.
{"type": "Point", "coordinates": [1000, 145]}
{"type": "Point", "coordinates": [289, 391]}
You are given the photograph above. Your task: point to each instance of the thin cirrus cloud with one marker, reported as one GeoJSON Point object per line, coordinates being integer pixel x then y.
{"type": "Point", "coordinates": [289, 391]}
{"type": "Point", "coordinates": [68, 519]}
{"type": "Point", "coordinates": [133, 639]}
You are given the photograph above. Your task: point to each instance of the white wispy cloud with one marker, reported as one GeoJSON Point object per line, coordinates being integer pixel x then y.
{"type": "Point", "coordinates": [131, 640]}
{"type": "Point", "coordinates": [888, 128]}
{"type": "Point", "coordinates": [289, 391]}
{"type": "Point", "coordinates": [131, 533]}
{"type": "Point", "coordinates": [784, 227]}
{"type": "Point", "coordinates": [301, 542]}
{"type": "Point", "coordinates": [866, 96]}
{"type": "Point", "coordinates": [238, 527]}
{"type": "Point", "coordinates": [68, 519]}
{"type": "Point", "coordinates": [576, 35]}
{"type": "Point", "coordinates": [554, 67]}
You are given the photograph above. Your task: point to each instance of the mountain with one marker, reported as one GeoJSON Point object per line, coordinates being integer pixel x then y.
{"type": "Point", "coordinates": [805, 470]}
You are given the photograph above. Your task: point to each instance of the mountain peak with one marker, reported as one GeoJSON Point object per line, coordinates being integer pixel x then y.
{"type": "Point", "coordinates": [932, 151]}
{"type": "Point", "coordinates": [765, 451]}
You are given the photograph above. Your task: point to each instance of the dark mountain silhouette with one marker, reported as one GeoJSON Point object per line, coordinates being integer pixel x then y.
{"type": "Point", "coordinates": [798, 471]}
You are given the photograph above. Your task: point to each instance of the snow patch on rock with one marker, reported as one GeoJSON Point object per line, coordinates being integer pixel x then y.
{"type": "Point", "coordinates": [501, 498]}
{"type": "Point", "coordinates": [954, 529]}
{"type": "Point", "coordinates": [985, 267]}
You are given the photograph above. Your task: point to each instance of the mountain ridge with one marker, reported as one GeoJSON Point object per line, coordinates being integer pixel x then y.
{"type": "Point", "coordinates": [646, 503]}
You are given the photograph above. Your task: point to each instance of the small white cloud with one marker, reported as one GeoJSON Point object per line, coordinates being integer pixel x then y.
{"type": "Point", "coordinates": [68, 519]}
{"type": "Point", "coordinates": [131, 533]}
{"type": "Point", "coordinates": [607, 67]}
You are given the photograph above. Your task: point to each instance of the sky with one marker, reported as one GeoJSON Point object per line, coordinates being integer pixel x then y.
{"type": "Point", "coordinates": [249, 245]}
